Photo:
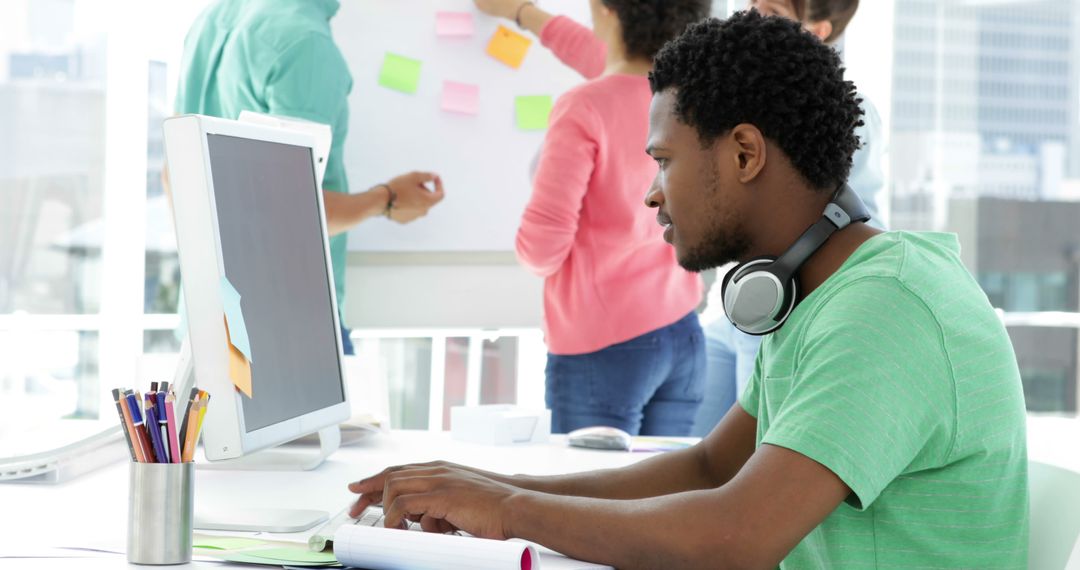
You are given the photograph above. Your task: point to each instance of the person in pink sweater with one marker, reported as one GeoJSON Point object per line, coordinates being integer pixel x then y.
{"type": "Point", "coordinates": [625, 345]}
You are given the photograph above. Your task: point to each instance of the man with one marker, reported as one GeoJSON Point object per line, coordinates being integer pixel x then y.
{"type": "Point", "coordinates": [884, 424]}
{"type": "Point", "coordinates": [278, 57]}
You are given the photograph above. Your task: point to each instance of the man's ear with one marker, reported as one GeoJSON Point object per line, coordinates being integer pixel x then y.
{"type": "Point", "coordinates": [822, 29]}
{"type": "Point", "coordinates": [750, 152]}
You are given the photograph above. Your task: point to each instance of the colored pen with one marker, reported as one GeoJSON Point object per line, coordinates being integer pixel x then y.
{"type": "Point", "coordinates": [124, 423]}
{"type": "Point", "coordinates": [155, 435]}
{"type": "Point", "coordinates": [140, 432]}
{"type": "Point", "coordinates": [163, 428]}
{"type": "Point", "coordinates": [170, 422]}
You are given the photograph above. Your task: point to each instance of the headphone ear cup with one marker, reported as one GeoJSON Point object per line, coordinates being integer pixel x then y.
{"type": "Point", "coordinates": [738, 272]}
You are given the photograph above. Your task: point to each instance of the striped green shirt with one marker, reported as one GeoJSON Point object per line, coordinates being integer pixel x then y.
{"type": "Point", "coordinates": [897, 376]}
{"type": "Point", "coordinates": [275, 57]}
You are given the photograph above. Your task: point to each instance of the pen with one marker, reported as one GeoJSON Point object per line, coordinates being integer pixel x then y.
{"type": "Point", "coordinates": [163, 429]}
{"type": "Point", "coordinates": [155, 435]}
{"type": "Point", "coordinates": [125, 423]}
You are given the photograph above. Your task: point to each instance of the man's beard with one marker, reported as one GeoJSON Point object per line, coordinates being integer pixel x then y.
{"type": "Point", "coordinates": [724, 241]}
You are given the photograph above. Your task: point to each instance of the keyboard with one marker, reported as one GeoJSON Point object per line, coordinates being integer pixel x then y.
{"type": "Point", "coordinates": [372, 516]}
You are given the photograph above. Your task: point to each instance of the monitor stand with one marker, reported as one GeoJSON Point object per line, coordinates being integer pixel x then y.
{"type": "Point", "coordinates": [295, 458]}
{"type": "Point", "coordinates": [292, 458]}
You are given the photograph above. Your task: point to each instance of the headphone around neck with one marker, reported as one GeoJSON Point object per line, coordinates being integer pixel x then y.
{"type": "Point", "coordinates": [760, 294]}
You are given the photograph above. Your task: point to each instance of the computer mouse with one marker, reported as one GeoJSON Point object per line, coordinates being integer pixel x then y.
{"type": "Point", "coordinates": [600, 437]}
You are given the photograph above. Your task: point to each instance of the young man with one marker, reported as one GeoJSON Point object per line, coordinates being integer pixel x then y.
{"type": "Point", "coordinates": [884, 425]}
{"type": "Point", "coordinates": [278, 57]}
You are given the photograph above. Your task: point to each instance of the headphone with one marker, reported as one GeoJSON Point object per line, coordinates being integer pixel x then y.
{"type": "Point", "coordinates": [760, 294]}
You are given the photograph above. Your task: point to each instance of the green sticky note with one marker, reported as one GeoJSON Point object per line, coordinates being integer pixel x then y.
{"type": "Point", "coordinates": [245, 558]}
{"type": "Point", "coordinates": [533, 112]}
{"type": "Point", "coordinates": [226, 542]}
{"type": "Point", "coordinates": [400, 73]}
{"type": "Point", "coordinates": [293, 554]}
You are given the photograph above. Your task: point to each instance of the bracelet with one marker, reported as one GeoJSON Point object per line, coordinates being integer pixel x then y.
{"type": "Point", "coordinates": [517, 15]}
{"type": "Point", "coordinates": [390, 201]}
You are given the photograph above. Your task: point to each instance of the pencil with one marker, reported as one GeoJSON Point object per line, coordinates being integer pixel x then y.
{"type": "Point", "coordinates": [170, 421]}
{"type": "Point", "coordinates": [192, 432]}
{"type": "Point", "coordinates": [125, 424]}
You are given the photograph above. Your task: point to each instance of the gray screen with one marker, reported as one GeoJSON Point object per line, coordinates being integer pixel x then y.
{"type": "Point", "coordinates": [272, 244]}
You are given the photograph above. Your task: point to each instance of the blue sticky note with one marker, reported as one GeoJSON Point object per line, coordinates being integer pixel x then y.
{"type": "Point", "coordinates": [234, 318]}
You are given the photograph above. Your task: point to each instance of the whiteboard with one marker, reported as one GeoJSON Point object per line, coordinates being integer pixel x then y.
{"type": "Point", "coordinates": [484, 159]}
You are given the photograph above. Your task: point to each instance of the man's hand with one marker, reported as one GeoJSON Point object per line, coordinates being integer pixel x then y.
{"type": "Point", "coordinates": [413, 198]}
{"type": "Point", "coordinates": [442, 497]}
{"type": "Point", "coordinates": [499, 8]}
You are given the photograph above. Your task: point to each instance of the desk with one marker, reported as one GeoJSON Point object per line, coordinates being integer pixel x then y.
{"type": "Point", "coordinates": [91, 512]}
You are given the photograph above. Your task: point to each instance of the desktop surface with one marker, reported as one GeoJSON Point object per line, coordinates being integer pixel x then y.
{"type": "Point", "coordinates": [91, 512]}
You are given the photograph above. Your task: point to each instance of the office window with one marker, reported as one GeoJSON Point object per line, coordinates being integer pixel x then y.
{"type": "Point", "coordinates": [82, 95]}
{"type": "Point", "coordinates": [983, 109]}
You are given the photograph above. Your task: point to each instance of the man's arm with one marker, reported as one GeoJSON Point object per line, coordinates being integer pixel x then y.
{"type": "Point", "coordinates": [708, 465]}
{"type": "Point", "coordinates": [753, 521]}
{"type": "Point", "coordinates": [411, 200]}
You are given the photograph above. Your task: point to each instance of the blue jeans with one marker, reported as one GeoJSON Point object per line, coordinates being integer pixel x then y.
{"type": "Point", "coordinates": [649, 385]}
{"type": "Point", "coordinates": [730, 363]}
{"type": "Point", "coordinates": [346, 342]}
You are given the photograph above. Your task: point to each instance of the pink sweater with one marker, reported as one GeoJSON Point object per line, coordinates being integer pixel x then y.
{"type": "Point", "coordinates": [609, 275]}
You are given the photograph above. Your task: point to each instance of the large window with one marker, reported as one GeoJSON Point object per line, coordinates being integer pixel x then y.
{"type": "Point", "coordinates": [82, 95]}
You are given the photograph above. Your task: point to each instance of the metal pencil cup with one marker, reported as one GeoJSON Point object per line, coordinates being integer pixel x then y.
{"type": "Point", "coordinates": [161, 499]}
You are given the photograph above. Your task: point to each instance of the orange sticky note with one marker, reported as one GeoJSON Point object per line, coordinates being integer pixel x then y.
{"type": "Point", "coordinates": [239, 367]}
{"type": "Point", "coordinates": [508, 47]}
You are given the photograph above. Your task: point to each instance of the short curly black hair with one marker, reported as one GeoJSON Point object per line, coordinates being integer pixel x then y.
{"type": "Point", "coordinates": [649, 24]}
{"type": "Point", "coordinates": [769, 72]}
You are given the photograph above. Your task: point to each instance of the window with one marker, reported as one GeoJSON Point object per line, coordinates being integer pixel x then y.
{"type": "Point", "coordinates": [82, 95]}
{"type": "Point", "coordinates": [983, 134]}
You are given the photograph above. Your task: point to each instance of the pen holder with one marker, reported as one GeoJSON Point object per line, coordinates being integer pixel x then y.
{"type": "Point", "coordinates": [161, 499]}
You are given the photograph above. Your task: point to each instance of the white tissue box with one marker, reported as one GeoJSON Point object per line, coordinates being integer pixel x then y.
{"type": "Point", "coordinates": [499, 424]}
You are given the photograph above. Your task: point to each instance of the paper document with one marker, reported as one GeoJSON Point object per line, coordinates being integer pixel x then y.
{"type": "Point", "coordinates": [389, 549]}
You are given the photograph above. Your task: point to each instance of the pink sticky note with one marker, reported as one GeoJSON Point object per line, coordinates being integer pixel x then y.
{"type": "Point", "coordinates": [461, 98]}
{"type": "Point", "coordinates": [454, 24]}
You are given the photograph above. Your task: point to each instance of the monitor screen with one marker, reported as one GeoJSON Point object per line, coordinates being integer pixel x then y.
{"type": "Point", "coordinates": [272, 247]}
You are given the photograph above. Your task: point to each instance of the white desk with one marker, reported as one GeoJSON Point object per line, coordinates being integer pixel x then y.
{"type": "Point", "coordinates": [91, 512]}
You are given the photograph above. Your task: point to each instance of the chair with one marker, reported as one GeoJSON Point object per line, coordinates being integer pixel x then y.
{"type": "Point", "coordinates": [1055, 515]}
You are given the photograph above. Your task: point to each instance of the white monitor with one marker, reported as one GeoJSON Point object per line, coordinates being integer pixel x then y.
{"type": "Point", "coordinates": [247, 207]}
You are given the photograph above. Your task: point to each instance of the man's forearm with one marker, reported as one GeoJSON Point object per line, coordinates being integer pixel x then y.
{"type": "Point", "coordinates": [345, 211]}
{"type": "Point", "coordinates": [669, 473]}
{"type": "Point", "coordinates": [687, 530]}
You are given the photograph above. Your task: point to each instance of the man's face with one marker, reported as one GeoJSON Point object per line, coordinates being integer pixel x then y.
{"type": "Point", "coordinates": [783, 8]}
{"type": "Point", "coordinates": [700, 202]}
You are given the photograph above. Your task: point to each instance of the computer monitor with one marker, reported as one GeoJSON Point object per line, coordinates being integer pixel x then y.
{"type": "Point", "coordinates": [247, 208]}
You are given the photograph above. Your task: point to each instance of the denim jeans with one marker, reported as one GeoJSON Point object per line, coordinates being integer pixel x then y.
{"type": "Point", "coordinates": [730, 355]}
{"type": "Point", "coordinates": [649, 385]}
{"type": "Point", "coordinates": [346, 342]}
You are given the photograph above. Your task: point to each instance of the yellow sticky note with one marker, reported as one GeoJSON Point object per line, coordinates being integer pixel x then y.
{"type": "Point", "coordinates": [239, 367]}
{"type": "Point", "coordinates": [508, 47]}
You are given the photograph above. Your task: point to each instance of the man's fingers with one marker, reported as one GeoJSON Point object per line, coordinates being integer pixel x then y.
{"type": "Point", "coordinates": [363, 503]}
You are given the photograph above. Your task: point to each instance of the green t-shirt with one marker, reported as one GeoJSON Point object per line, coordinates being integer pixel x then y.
{"type": "Point", "coordinates": [897, 375]}
{"type": "Point", "coordinates": [275, 57]}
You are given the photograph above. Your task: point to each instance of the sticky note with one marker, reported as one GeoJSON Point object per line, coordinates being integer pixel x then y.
{"type": "Point", "coordinates": [226, 542]}
{"type": "Point", "coordinates": [454, 24]}
{"type": "Point", "coordinates": [234, 318]}
{"type": "Point", "coordinates": [180, 332]}
{"type": "Point", "coordinates": [461, 98]}
{"type": "Point", "coordinates": [293, 554]}
{"type": "Point", "coordinates": [400, 73]}
{"type": "Point", "coordinates": [508, 46]}
{"type": "Point", "coordinates": [533, 112]}
{"type": "Point", "coordinates": [239, 366]}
